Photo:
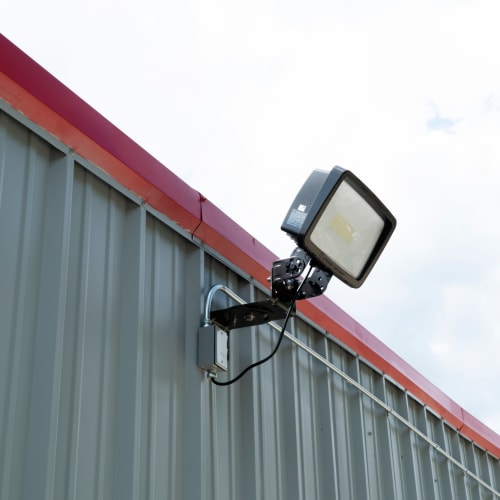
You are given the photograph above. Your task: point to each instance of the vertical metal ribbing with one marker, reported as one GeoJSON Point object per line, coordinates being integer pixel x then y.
{"type": "Point", "coordinates": [494, 472]}
{"type": "Point", "coordinates": [452, 444]}
{"type": "Point", "coordinates": [79, 314]}
{"type": "Point", "coordinates": [108, 343]}
{"type": "Point", "coordinates": [356, 429]}
{"type": "Point", "coordinates": [18, 184]}
{"type": "Point", "coordinates": [421, 451]}
{"type": "Point", "coordinates": [128, 407]}
{"type": "Point", "coordinates": [376, 436]}
{"type": "Point", "coordinates": [88, 412]}
{"type": "Point", "coordinates": [326, 435]}
{"type": "Point", "coordinates": [443, 468]}
{"type": "Point", "coordinates": [401, 445]}
{"type": "Point", "coordinates": [49, 330]}
{"type": "Point", "coordinates": [194, 411]}
{"type": "Point", "coordinates": [109, 332]}
{"type": "Point", "coordinates": [307, 408]}
{"type": "Point", "coordinates": [163, 361]}
{"type": "Point", "coordinates": [254, 464]}
{"type": "Point", "coordinates": [152, 307]}
{"type": "Point", "coordinates": [472, 488]}
{"type": "Point", "coordinates": [290, 479]}
{"type": "Point", "coordinates": [3, 153]}
{"type": "Point", "coordinates": [265, 387]}
{"type": "Point", "coordinates": [7, 349]}
{"type": "Point", "coordinates": [481, 468]}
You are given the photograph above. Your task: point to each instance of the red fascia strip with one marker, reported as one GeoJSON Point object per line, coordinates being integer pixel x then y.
{"type": "Point", "coordinates": [47, 102]}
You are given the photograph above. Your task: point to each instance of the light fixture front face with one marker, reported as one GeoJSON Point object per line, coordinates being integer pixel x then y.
{"type": "Point", "coordinates": [347, 230]}
{"type": "Point", "coordinates": [340, 223]}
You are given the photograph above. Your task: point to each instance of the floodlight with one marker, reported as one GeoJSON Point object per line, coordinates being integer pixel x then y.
{"type": "Point", "coordinates": [340, 228]}
{"type": "Point", "coordinates": [340, 223]}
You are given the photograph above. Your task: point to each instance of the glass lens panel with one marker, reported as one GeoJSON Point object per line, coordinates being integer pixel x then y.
{"type": "Point", "coordinates": [348, 230]}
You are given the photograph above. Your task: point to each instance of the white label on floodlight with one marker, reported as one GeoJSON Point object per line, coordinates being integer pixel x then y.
{"type": "Point", "coordinates": [302, 208]}
{"type": "Point", "coordinates": [296, 218]}
{"type": "Point", "coordinates": [348, 230]}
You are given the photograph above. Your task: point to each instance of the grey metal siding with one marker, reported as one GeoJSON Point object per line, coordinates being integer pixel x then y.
{"type": "Point", "coordinates": [100, 393]}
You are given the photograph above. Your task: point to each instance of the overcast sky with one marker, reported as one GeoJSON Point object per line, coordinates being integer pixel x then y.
{"type": "Point", "coordinates": [244, 99]}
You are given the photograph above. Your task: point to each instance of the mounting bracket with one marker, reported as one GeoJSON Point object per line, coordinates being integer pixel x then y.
{"type": "Point", "coordinates": [285, 280]}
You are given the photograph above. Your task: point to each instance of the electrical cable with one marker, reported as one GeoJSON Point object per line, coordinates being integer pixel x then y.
{"type": "Point", "coordinates": [282, 334]}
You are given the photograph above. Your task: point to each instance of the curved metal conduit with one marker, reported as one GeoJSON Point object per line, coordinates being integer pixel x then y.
{"type": "Point", "coordinates": [354, 383]}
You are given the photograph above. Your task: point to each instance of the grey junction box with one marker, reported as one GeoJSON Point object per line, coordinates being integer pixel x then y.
{"type": "Point", "coordinates": [212, 348]}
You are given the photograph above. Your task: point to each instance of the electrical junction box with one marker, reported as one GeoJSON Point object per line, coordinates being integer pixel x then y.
{"type": "Point", "coordinates": [212, 348]}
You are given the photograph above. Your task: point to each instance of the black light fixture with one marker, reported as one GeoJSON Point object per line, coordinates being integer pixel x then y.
{"type": "Point", "coordinates": [340, 228]}
{"type": "Point", "coordinates": [340, 223]}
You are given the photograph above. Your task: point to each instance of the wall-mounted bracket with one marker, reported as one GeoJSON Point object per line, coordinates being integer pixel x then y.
{"type": "Point", "coordinates": [285, 281]}
{"type": "Point", "coordinates": [284, 284]}
{"type": "Point", "coordinates": [256, 313]}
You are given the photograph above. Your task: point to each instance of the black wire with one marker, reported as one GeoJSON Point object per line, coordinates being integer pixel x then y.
{"type": "Point", "coordinates": [282, 334]}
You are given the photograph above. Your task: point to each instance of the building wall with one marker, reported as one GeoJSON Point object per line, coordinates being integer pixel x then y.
{"type": "Point", "coordinates": [101, 299]}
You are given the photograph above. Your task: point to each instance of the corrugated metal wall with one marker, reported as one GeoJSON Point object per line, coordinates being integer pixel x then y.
{"type": "Point", "coordinates": [101, 397]}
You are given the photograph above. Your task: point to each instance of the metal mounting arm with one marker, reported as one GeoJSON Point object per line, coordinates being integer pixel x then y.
{"type": "Point", "coordinates": [285, 281]}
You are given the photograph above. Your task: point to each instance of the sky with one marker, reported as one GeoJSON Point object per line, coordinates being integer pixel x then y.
{"type": "Point", "coordinates": [242, 100]}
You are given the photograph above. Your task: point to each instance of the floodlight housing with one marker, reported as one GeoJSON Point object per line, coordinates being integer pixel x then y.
{"type": "Point", "coordinates": [340, 224]}
{"type": "Point", "coordinates": [340, 228]}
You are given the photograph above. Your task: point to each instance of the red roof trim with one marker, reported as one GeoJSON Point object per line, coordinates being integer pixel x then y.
{"type": "Point", "coordinates": [32, 90]}
{"type": "Point", "coordinates": [47, 102]}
